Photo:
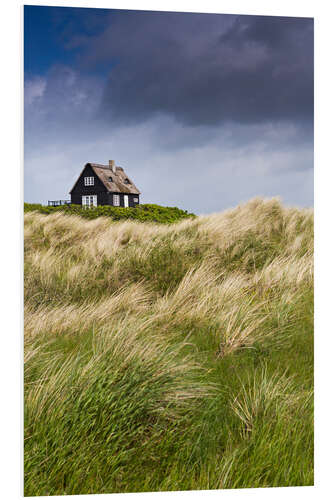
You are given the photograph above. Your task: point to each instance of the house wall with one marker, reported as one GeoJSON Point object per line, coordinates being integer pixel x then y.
{"type": "Point", "coordinates": [98, 188]}
{"type": "Point", "coordinates": [131, 202]}
{"type": "Point", "coordinates": [103, 196]}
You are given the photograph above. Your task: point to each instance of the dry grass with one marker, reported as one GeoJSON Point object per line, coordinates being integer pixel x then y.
{"type": "Point", "coordinates": [138, 322]}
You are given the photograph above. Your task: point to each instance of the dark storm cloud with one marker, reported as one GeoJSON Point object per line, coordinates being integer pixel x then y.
{"type": "Point", "coordinates": [205, 69]}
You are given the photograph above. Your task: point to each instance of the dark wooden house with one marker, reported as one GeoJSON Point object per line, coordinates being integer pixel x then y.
{"type": "Point", "coordinates": [104, 185]}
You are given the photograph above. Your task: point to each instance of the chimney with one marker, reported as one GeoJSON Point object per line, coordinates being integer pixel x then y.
{"type": "Point", "coordinates": [112, 165]}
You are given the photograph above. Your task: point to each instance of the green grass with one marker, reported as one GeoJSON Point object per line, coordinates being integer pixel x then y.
{"type": "Point", "coordinates": [169, 357]}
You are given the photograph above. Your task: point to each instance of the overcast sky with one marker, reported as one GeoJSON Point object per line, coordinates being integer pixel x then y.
{"type": "Point", "coordinates": [203, 111]}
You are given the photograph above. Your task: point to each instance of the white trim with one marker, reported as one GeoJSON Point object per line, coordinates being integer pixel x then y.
{"type": "Point", "coordinates": [89, 181]}
{"type": "Point", "coordinates": [89, 200]}
{"type": "Point", "coordinates": [126, 200]}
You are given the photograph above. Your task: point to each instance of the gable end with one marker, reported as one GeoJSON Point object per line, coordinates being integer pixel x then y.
{"type": "Point", "coordinates": [79, 185]}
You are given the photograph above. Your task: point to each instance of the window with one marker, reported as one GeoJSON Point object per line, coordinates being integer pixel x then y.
{"type": "Point", "coordinates": [89, 181]}
{"type": "Point", "coordinates": [110, 179]}
{"type": "Point", "coordinates": [116, 200]}
{"type": "Point", "coordinates": [136, 200]}
{"type": "Point", "coordinates": [127, 181]}
{"type": "Point", "coordinates": [89, 201]}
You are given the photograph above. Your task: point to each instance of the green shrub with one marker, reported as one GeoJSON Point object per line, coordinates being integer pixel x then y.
{"type": "Point", "coordinates": [142, 213]}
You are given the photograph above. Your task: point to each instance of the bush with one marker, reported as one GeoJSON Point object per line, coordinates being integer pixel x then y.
{"type": "Point", "coordinates": [142, 213]}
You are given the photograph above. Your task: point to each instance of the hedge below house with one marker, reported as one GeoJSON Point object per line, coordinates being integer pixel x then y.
{"type": "Point", "coordinates": [143, 213]}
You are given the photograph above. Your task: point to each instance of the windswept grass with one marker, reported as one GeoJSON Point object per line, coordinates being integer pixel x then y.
{"type": "Point", "coordinates": [169, 357]}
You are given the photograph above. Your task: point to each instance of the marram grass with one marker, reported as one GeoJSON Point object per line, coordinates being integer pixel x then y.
{"type": "Point", "coordinates": [169, 357]}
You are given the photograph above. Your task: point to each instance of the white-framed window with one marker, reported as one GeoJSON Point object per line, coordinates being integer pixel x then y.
{"type": "Point", "coordinates": [89, 181]}
{"type": "Point", "coordinates": [125, 200]}
{"type": "Point", "coordinates": [136, 200]}
{"type": "Point", "coordinates": [116, 200]}
{"type": "Point", "coordinates": [89, 200]}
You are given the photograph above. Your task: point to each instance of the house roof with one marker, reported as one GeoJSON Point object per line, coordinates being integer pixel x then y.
{"type": "Point", "coordinates": [119, 177]}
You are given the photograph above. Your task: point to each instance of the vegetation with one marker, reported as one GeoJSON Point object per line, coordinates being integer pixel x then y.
{"type": "Point", "coordinates": [142, 213]}
{"type": "Point", "coordinates": [169, 357]}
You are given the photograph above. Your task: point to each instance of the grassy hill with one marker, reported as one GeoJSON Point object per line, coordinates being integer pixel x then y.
{"type": "Point", "coordinates": [169, 357]}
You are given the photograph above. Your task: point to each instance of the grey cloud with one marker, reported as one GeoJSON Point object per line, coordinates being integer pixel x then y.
{"type": "Point", "coordinates": [64, 106]}
{"type": "Point", "coordinates": [61, 104]}
{"type": "Point", "coordinates": [205, 69]}
{"type": "Point", "coordinates": [168, 134]}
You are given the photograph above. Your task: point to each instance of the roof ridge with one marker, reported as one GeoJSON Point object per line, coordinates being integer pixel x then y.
{"type": "Point", "coordinates": [106, 167]}
{"type": "Point", "coordinates": [99, 165]}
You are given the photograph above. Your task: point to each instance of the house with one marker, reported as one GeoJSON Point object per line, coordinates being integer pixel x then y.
{"type": "Point", "coordinates": [104, 185]}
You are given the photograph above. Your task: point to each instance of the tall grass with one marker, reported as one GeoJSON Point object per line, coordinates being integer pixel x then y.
{"type": "Point", "coordinates": [169, 357]}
